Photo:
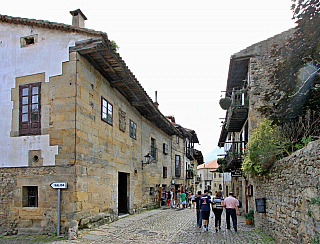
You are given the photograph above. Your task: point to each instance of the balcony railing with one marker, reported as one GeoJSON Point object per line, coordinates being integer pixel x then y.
{"type": "Point", "coordinates": [235, 154]}
{"type": "Point", "coordinates": [189, 153]}
{"type": "Point", "coordinates": [238, 111]}
{"type": "Point", "coordinates": [189, 174]}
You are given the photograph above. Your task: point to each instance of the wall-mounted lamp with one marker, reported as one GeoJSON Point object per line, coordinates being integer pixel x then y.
{"type": "Point", "coordinates": [148, 160]}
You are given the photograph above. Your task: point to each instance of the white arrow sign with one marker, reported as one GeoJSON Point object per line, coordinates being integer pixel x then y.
{"type": "Point", "coordinates": [59, 185]}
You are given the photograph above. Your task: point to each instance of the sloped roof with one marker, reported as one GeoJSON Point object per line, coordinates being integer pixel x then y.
{"type": "Point", "coordinates": [100, 52]}
{"type": "Point", "coordinates": [209, 165]}
{"type": "Point", "coordinates": [48, 24]}
{"type": "Point", "coordinates": [184, 131]}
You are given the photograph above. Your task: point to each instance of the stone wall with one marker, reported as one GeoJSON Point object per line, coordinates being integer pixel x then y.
{"type": "Point", "coordinates": [289, 188]}
{"type": "Point", "coordinates": [15, 217]}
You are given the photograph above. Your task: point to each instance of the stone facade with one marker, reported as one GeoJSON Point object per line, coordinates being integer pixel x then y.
{"type": "Point", "coordinates": [251, 69]}
{"type": "Point", "coordinates": [292, 182]}
{"type": "Point", "coordinates": [100, 160]}
{"type": "Point", "coordinates": [288, 188]}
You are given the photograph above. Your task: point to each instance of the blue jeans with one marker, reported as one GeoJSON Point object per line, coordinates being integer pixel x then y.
{"type": "Point", "coordinates": [199, 218]}
{"type": "Point", "coordinates": [233, 214]}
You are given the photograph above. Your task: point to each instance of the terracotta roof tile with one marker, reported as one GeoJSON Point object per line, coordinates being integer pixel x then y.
{"type": "Point", "coordinates": [209, 165]}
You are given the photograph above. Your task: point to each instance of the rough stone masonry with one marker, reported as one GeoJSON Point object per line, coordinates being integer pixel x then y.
{"type": "Point", "coordinates": [291, 214]}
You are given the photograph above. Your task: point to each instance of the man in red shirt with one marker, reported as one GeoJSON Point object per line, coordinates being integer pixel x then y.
{"type": "Point", "coordinates": [231, 204]}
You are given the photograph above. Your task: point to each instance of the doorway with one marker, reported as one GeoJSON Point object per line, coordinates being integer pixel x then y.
{"type": "Point", "coordinates": [123, 193]}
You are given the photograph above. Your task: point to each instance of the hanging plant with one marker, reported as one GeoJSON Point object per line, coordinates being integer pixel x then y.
{"type": "Point", "coordinates": [225, 103]}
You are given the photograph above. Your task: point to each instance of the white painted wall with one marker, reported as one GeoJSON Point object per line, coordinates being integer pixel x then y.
{"type": "Point", "coordinates": [45, 56]}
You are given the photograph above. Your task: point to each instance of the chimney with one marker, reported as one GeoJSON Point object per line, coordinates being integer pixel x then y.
{"type": "Point", "coordinates": [78, 18]}
{"type": "Point", "coordinates": [156, 102]}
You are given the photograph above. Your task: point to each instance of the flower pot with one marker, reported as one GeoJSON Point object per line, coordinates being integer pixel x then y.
{"type": "Point", "coordinates": [249, 221]}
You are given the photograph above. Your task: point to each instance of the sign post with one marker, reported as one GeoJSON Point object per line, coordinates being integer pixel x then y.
{"type": "Point", "coordinates": [59, 186]}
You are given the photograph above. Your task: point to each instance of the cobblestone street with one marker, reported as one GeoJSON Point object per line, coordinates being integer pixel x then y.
{"type": "Point", "coordinates": [167, 225]}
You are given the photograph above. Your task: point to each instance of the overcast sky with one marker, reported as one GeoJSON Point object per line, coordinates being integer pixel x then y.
{"type": "Point", "coordinates": [181, 49]}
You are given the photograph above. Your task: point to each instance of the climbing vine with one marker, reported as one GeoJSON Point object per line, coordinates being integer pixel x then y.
{"type": "Point", "coordinates": [296, 78]}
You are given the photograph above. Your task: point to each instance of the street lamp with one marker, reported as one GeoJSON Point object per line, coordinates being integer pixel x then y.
{"type": "Point", "coordinates": [148, 159]}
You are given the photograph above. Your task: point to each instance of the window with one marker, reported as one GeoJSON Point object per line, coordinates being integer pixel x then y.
{"type": "Point", "coordinates": [165, 148]}
{"type": "Point", "coordinates": [133, 129]}
{"type": "Point", "coordinates": [177, 166]}
{"type": "Point", "coordinates": [28, 40]}
{"type": "Point", "coordinates": [29, 196]}
{"type": "Point", "coordinates": [153, 149]}
{"type": "Point", "coordinates": [177, 139]}
{"type": "Point", "coordinates": [106, 111]}
{"type": "Point", "coordinates": [165, 172]}
{"type": "Point", "coordinates": [30, 109]}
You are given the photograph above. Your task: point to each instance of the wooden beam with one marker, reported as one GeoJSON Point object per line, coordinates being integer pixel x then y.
{"type": "Point", "coordinates": [97, 67]}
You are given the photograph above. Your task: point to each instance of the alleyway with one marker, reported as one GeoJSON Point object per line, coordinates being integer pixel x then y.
{"type": "Point", "coordinates": [169, 226]}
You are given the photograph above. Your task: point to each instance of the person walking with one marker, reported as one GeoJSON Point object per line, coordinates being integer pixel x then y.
{"type": "Point", "coordinates": [178, 199]}
{"type": "Point", "coordinates": [205, 201]}
{"type": "Point", "coordinates": [199, 217]}
{"type": "Point", "coordinates": [231, 204]}
{"type": "Point", "coordinates": [189, 199]}
{"type": "Point", "coordinates": [193, 200]}
{"type": "Point", "coordinates": [171, 202]}
{"type": "Point", "coordinates": [183, 199]}
{"type": "Point", "coordinates": [169, 198]}
{"type": "Point", "coordinates": [217, 210]}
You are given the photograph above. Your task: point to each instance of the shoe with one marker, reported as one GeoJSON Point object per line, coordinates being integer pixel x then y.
{"type": "Point", "coordinates": [235, 229]}
{"type": "Point", "coordinates": [216, 230]}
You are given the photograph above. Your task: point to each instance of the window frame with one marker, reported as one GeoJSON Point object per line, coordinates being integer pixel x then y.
{"type": "Point", "coordinates": [30, 200]}
{"type": "Point", "coordinates": [177, 139]}
{"type": "Point", "coordinates": [165, 172]}
{"type": "Point", "coordinates": [133, 129]}
{"type": "Point", "coordinates": [107, 111]}
{"type": "Point", "coordinates": [29, 127]}
{"type": "Point", "coordinates": [165, 148]}
{"type": "Point", "coordinates": [27, 41]}
{"type": "Point", "coordinates": [177, 166]}
{"type": "Point", "coordinates": [153, 149]}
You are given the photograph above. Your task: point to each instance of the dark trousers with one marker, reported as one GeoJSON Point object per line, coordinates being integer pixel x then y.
{"type": "Point", "coordinates": [217, 217]}
{"type": "Point", "coordinates": [199, 218]}
{"type": "Point", "coordinates": [233, 214]}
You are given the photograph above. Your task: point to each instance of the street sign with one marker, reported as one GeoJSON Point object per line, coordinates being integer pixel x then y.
{"type": "Point", "coordinates": [59, 185]}
{"type": "Point", "coordinates": [236, 173]}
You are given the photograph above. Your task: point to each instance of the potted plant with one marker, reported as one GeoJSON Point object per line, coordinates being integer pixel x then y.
{"type": "Point", "coordinates": [225, 103]}
{"type": "Point", "coordinates": [249, 217]}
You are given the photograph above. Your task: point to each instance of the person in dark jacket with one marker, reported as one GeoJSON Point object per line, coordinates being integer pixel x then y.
{"type": "Point", "coordinates": [205, 202]}
{"type": "Point", "coordinates": [199, 217]}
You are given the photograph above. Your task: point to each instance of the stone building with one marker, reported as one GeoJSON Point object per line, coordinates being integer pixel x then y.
{"type": "Point", "coordinates": [191, 157]}
{"type": "Point", "coordinates": [248, 80]}
{"type": "Point", "coordinates": [206, 177]}
{"type": "Point", "coordinates": [75, 115]}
